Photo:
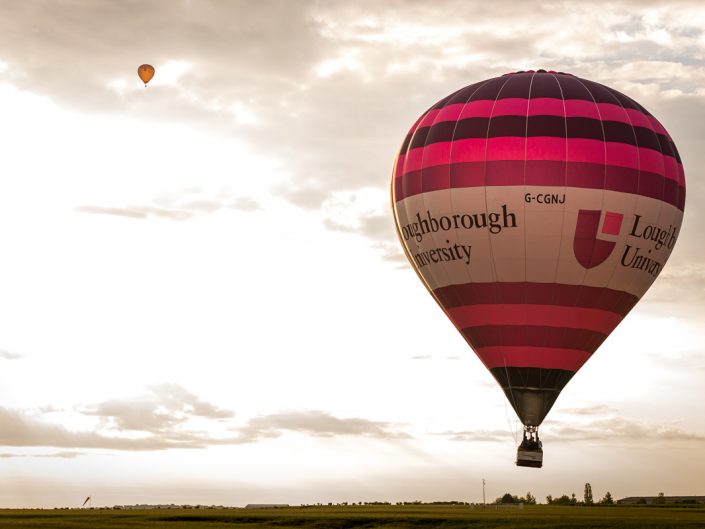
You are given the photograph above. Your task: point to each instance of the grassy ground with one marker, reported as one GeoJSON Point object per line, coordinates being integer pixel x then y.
{"type": "Point", "coordinates": [359, 517]}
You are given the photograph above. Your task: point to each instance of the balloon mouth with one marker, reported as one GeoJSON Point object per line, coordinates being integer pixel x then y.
{"type": "Point", "coordinates": [554, 72]}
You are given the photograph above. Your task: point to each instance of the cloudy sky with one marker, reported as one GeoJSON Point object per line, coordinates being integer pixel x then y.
{"type": "Point", "coordinates": [202, 299]}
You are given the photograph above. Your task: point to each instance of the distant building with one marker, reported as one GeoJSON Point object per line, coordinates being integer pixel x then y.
{"type": "Point", "coordinates": [649, 500]}
{"type": "Point", "coordinates": [265, 505]}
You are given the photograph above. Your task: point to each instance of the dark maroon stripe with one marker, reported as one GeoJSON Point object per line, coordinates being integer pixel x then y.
{"type": "Point", "coordinates": [490, 90]}
{"type": "Point", "coordinates": [572, 88]}
{"type": "Point", "coordinates": [668, 145]}
{"type": "Point", "coordinates": [420, 137]}
{"type": "Point", "coordinates": [536, 293]}
{"type": "Point", "coordinates": [533, 335]}
{"type": "Point", "coordinates": [540, 173]}
{"type": "Point", "coordinates": [540, 85]}
{"type": "Point", "coordinates": [455, 97]}
{"type": "Point", "coordinates": [514, 86]}
{"type": "Point", "coordinates": [463, 95]}
{"type": "Point", "coordinates": [604, 94]}
{"type": "Point", "coordinates": [406, 143]}
{"type": "Point", "coordinates": [459, 96]}
{"type": "Point", "coordinates": [548, 126]}
{"type": "Point", "coordinates": [546, 85]}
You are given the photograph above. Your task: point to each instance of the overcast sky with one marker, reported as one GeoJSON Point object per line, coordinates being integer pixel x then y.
{"type": "Point", "coordinates": [202, 299]}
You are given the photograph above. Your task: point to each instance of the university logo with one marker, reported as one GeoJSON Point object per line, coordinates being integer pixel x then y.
{"type": "Point", "coordinates": [589, 250]}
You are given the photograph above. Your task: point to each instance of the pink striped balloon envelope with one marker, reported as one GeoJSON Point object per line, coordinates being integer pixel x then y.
{"type": "Point", "coordinates": [537, 208]}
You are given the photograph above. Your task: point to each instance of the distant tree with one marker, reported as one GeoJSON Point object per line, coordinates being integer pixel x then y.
{"type": "Point", "coordinates": [573, 499]}
{"type": "Point", "coordinates": [607, 500]}
{"type": "Point", "coordinates": [507, 498]}
{"type": "Point", "coordinates": [641, 501]}
{"type": "Point", "coordinates": [549, 499]}
{"type": "Point", "coordinates": [587, 495]}
{"type": "Point", "coordinates": [563, 500]}
{"type": "Point", "coordinates": [530, 499]}
{"type": "Point", "coordinates": [660, 499]}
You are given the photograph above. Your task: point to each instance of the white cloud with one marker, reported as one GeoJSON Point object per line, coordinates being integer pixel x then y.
{"type": "Point", "coordinates": [163, 410]}
{"type": "Point", "coordinates": [316, 423]}
{"type": "Point", "coordinates": [490, 436]}
{"type": "Point", "coordinates": [170, 417]}
{"type": "Point", "coordinates": [242, 113]}
{"type": "Point", "coordinates": [183, 205]}
{"type": "Point", "coordinates": [346, 61]}
{"type": "Point", "coordinates": [620, 429]}
{"type": "Point", "coordinates": [597, 409]}
{"type": "Point", "coordinates": [170, 72]}
{"type": "Point", "coordinates": [66, 454]}
{"type": "Point", "coordinates": [9, 355]}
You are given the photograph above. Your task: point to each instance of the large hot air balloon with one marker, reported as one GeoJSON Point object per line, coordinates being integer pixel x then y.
{"type": "Point", "coordinates": [146, 72]}
{"type": "Point", "coordinates": [537, 208]}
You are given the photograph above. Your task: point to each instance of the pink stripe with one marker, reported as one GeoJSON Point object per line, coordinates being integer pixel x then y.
{"type": "Point", "coordinates": [639, 119]}
{"type": "Point", "coordinates": [537, 148]}
{"type": "Point", "coordinates": [681, 176]}
{"type": "Point", "coordinates": [417, 122]}
{"type": "Point", "coordinates": [578, 108]}
{"type": "Point", "coordinates": [543, 148]}
{"type": "Point", "coordinates": [399, 168]}
{"type": "Point", "coordinates": [428, 119]}
{"type": "Point", "coordinates": [656, 125]}
{"type": "Point", "coordinates": [545, 315]}
{"type": "Point", "coordinates": [547, 106]}
{"type": "Point", "coordinates": [415, 157]}
{"type": "Point", "coordinates": [541, 106]}
{"type": "Point", "coordinates": [615, 155]}
{"type": "Point", "coordinates": [504, 148]}
{"type": "Point", "coordinates": [650, 160]}
{"type": "Point", "coordinates": [449, 113]}
{"type": "Point", "coordinates": [438, 152]}
{"type": "Point", "coordinates": [478, 109]}
{"type": "Point", "coordinates": [610, 112]}
{"type": "Point", "coordinates": [591, 151]}
{"type": "Point", "coordinates": [528, 356]}
{"type": "Point", "coordinates": [511, 107]}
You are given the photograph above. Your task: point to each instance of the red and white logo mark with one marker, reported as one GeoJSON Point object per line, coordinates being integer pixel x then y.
{"type": "Point", "coordinates": [589, 250]}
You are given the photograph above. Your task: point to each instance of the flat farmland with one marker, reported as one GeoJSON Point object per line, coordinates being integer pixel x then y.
{"type": "Point", "coordinates": [360, 517]}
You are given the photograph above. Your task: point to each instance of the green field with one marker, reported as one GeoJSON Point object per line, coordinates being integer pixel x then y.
{"type": "Point", "coordinates": [360, 517]}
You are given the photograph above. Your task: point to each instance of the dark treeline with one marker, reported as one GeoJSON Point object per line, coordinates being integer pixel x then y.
{"type": "Point", "coordinates": [373, 503]}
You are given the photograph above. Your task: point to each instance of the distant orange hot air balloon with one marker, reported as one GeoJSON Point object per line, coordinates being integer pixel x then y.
{"type": "Point", "coordinates": [146, 72]}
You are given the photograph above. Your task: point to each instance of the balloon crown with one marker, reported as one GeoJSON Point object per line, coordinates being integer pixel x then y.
{"type": "Point", "coordinates": [539, 71]}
